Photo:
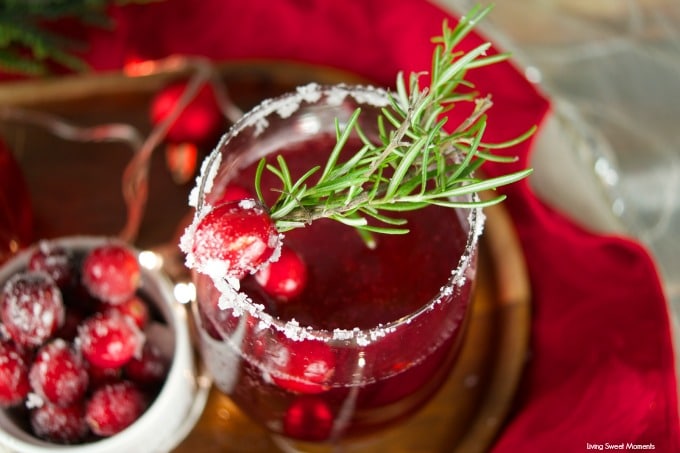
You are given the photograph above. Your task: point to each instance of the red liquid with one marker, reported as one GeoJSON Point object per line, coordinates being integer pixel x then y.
{"type": "Point", "coordinates": [349, 286]}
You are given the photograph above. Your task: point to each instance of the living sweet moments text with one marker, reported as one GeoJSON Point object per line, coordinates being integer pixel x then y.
{"type": "Point", "coordinates": [619, 446]}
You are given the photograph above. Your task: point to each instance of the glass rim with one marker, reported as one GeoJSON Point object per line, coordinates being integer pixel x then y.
{"type": "Point", "coordinates": [286, 105]}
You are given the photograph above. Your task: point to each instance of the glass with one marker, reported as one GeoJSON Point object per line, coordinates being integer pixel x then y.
{"type": "Point", "coordinates": [609, 155]}
{"type": "Point", "coordinates": [383, 326]}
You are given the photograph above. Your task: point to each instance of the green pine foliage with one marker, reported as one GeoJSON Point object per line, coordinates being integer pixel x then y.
{"type": "Point", "coordinates": [29, 47]}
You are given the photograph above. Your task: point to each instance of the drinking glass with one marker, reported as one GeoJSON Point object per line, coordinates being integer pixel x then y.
{"type": "Point", "coordinates": [375, 331]}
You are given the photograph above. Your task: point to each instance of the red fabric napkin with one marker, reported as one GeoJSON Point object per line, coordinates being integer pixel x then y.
{"type": "Point", "coordinates": [601, 368]}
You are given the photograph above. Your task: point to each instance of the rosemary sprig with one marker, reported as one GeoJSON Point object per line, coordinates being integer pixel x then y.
{"type": "Point", "coordinates": [415, 163]}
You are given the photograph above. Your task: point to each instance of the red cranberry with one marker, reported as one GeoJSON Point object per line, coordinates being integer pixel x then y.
{"type": "Point", "coordinates": [300, 366]}
{"type": "Point", "coordinates": [32, 308]}
{"type": "Point", "coordinates": [54, 260]}
{"type": "Point", "coordinates": [234, 192]}
{"type": "Point", "coordinates": [200, 120]}
{"type": "Point", "coordinates": [308, 418]}
{"type": "Point", "coordinates": [284, 278]}
{"type": "Point", "coordinates": [63, 425]}
{"type": "Point", "coordinates": [109, 340]}
{"type": "Point", "coordinates": [134, 308]}
{"type": "Point", "coordinates": [111, 273]}
{"type": "Point", "coordinates": [240, 234]}
{"type": "Point", "coordinates": [14, 384]}
{"type": "Point", "coordinates": [114, 407]}
{"type": "Point", "coordinates": [58, 374]}
{"type": "Point", "coordinates": [148, 370]}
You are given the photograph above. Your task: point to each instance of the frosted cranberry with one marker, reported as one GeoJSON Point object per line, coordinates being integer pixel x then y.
{"type": "Point", "coordinates": [308, 418]}
{"type": "Point", "coordinates": [300, 366]}
{"type": "Point", "coordinates": [149, 369]}
{"type": "Point", "coordinates": [63, 425]}
{"type": "Point", "coordinates": [284, 278]}
{"type": "Point", "coordinates": [134, 308]}
{"type": "Point", "coordinates": [58, 374]}
{"type": "Point", "coordinates": [109, 340]}
{"type": "Point", "coordinates": [32, 308]}
{"type": "Point", "coordinates": [54, 260]}
{"type": "Point", "coordinates": [238, 234]}
{"type": "Point", "coordinates": [114, 407]}
{"type": "Point", "coordinates": [111, 273]}
{"type": "Point", "coordinates": [14, 384]}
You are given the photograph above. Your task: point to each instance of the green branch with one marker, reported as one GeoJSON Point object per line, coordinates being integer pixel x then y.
{"type": "Point", "coordinates": [415, 163]}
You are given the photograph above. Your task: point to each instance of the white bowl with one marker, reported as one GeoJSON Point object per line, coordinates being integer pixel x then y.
{"type": "Point", "coordinates": [175, 410]}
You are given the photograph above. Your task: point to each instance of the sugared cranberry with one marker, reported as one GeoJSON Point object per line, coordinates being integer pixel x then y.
{"type": "Point", "coordinates": [149, 369]}
{"type": "Point", "coordinates": [111, 273]}
{"type": "Point", "coordinates": [114, 407]}
{"type": "Point", "coordinates": [32, 308]}
{"type": "Point", "coordinates": [14, 384]}
{"type": "Point", "coordinates": [54, 260]}
{"type": "Point", "coordinates": [284, 278]}
{"type": "Point", "coordinates": [109, 340]}
{"type": "Point", "coordinates": [134, 308]}
{"type": "Point", "coordinates": [63, 425]}
{"type": "Point", "coordinates": [308, 418]}
{"type": "Point", "coordinates": [58, 374]}
{"type": "Point", "coordinates": [304, 366]}
{"type": "Point", "coordinates": [239, 235]}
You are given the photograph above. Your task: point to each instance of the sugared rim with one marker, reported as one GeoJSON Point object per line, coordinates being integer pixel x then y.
{"type": "Point", "coordinates": [284, 106]}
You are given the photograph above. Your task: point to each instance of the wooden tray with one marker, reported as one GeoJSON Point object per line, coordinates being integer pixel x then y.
{"type": "Point", "coordinates": [76, 189]}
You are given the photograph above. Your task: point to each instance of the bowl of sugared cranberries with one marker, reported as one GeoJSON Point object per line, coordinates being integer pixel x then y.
{"type": "Point", "coordinates": [95, 352]}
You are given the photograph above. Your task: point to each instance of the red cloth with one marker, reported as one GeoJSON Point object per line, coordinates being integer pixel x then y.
{"type": "Point", "coordinates": [601, 368]}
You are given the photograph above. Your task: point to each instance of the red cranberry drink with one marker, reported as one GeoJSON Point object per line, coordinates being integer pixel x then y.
{"type": "Point", "coordinates": [334, 250]}
{"type": "Point", "coordinates": [332, 336]}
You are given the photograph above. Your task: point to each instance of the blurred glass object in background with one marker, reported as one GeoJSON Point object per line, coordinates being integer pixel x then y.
{"type": "Point", "coordinates": [609, 154]}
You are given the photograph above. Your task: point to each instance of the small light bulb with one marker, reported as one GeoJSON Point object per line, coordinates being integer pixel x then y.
{"type": "Point", "coordinates": [185, 292]}
{"type": "Point", "coordinates": [150, 260]}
